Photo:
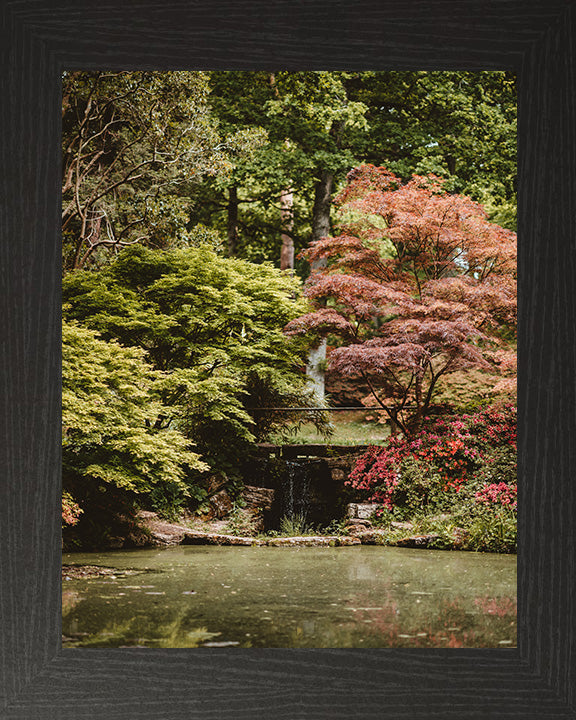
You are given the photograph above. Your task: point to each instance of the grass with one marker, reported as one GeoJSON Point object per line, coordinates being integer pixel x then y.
{"type": "Point", "coordinates": [295, 526]}
{"type": "Point", "coordinates": [350, 428]}
{"type": "Point", "coordinates": [458, 531]}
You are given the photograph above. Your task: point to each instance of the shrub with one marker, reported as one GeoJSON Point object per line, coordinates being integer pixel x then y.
{"type": "Point", "coordinates": [419, 486]}
{"type": "Point", "coordinates": [209, 331]}
{"type": "Point", "coordinates": [492, 530]}
{"type": "Point", "coordinates": [497, 494]}
{"type": "Point", "coordinates": [241, 522]}
{"type": "Point", "coordinates": [464, 466]}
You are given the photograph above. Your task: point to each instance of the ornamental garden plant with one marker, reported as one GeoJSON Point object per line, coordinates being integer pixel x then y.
{"type": "Point", "coordinates": [455, 478]}
{"type": "Point", "coordinates": [167, 358]}
{"type": "Point", "coordinates": [417, 286]}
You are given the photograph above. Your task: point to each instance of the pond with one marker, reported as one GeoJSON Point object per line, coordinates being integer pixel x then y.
{"type": "Point", "coordinates": [299, 597]}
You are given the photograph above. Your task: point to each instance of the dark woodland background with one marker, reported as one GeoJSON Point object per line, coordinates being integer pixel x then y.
{"type": "Point", "coordinates": [40, 39]}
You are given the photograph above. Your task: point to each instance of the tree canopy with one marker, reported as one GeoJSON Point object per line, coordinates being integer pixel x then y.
{"type": "Point", "coordinates": [133, 144]}
{"type": "Point", "coordinates": [418, 284]}
{"type": "Point", "coordinates": [110, 441]}
{"type": "Point", "coordinates": [459, 125]}
{"type": "Point", "coordinates": [211, 325]}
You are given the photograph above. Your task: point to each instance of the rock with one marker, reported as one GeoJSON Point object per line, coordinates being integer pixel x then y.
{"type": "Point", "coordinates": [417, 541]}
{"type": "Point", "coordinates": [358, 522]}
{"type": "Point", "coordinates": [198, 538]}
{"type": "Point", "coordinates": [459, 535]}
{"type": "Point", "coordinates": [161, 532]}
{"type": "Point", "coordinates": [338, 475]}
{"type": "Point", "coordinates": [220, 504]}
{"type": "Point", "coordinates": [256, 521]}
{"type": "Point", "coordinates": [355, 526]}
{"type": "Point", "coordinates": [258, 498]}
{"type": "Point", "coordinates": [225, 643]}
{"type": "Point", "coordinates": [361, 510]}
{"type": "Point", "coordinates": [82, 572]}
{"type": "Point", "coordinates": [372, 537]}
{"type": "Point", "coordinates": [358, 530]}
{"type": "Point", "coordinates": [345, 540]}
{"type": "Point", "coordinates": [147, 515]}
{"type": "Point", "coordinates": [169, 538]}
{"type": "Point", "coordinates": [314, 541]}
{"type": "Point", "coordinates": [345, 460]}
{"type": "Point", "coordinates": [401, 525]}
{"type": "Point", "coordinates": [214, 483]}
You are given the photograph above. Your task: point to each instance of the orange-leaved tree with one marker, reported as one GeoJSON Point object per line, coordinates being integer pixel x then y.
{"type": "Point", "coordinates": [418, 284]}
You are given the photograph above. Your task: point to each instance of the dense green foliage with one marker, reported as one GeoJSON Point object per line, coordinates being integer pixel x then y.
{"type": "Point", "coordinates": [212, 327]}
{"type": "Point", "coordinates": [458, 125]}
{"type": "Point", "coordinates": [311, 125]}
{"type": "Point", "coordinates": [111, 446]}
{"type": "Point", "coordinates": [108, 414]}
{"type": "Point", "coordinates": [134, 146]}
{"type": "Point", "coordinates": [157, 158]}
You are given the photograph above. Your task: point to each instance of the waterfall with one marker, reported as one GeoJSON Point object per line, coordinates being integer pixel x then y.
{"type": "Point", "coordinates": [296, 491]}
{"type": "Point", "coordinates": [305, 493]}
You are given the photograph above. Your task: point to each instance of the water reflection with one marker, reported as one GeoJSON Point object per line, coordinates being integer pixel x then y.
{"type": "Point", "coordinates": [294, 597]}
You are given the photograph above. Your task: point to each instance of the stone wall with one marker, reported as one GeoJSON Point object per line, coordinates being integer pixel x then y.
{"type": "Point", "coordinates": [327, 494]}
{"type": "Point", "coordinates": [268, 485]}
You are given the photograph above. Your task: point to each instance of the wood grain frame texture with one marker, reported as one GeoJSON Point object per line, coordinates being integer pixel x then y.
{"type": "Point", "coordinates": [39, 39]}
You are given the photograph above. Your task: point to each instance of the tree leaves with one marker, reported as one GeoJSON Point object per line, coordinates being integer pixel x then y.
{"type": "Point", "coordinates": [432, 306]}
{"type": "Point", "coordinates": [211, 327]}
{"type": "Point", "coordinates": [133, 142]}
{"type": "Point", "coordinates": [108, 416]}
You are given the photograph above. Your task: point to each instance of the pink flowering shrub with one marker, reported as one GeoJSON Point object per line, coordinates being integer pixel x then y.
{"type": "Point", "coordinates": [497, 494]}
{"type": "Point", "coordinates": [450, 462]}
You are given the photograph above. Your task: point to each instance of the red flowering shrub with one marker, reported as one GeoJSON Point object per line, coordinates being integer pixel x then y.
{"type": "Point", "coordinates": [447, 463]}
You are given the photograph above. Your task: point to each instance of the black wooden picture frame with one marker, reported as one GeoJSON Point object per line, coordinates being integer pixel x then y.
{"type": "Point", "coordinates": [40, 38]}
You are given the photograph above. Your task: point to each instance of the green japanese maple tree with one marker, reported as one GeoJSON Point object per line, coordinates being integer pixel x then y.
{"type": "Point", "coordinates": [110, 442]}
{"type": "Point", "coordinates": [213, 326]}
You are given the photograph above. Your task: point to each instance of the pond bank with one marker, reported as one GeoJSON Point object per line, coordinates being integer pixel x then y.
{"type": "Point", "coordinates": [359, 532]}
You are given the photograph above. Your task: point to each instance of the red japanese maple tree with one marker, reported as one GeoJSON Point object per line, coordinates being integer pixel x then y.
{"type": "Point", "coordinates": [417, 285]}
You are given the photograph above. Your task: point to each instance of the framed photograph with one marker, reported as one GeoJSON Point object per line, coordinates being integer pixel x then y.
{"type": "Point", "coordinates": [39, 679]}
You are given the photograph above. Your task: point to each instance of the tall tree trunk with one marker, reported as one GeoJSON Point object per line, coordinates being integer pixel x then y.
{"type": "Point", "coordinates": [322, 206]}
{"type": "Point", "coordinates": [232, 220]}
{"type": "Point", "coordinates": [287, 223]}
{"type": "Point", "coordinates": [316, 366]}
